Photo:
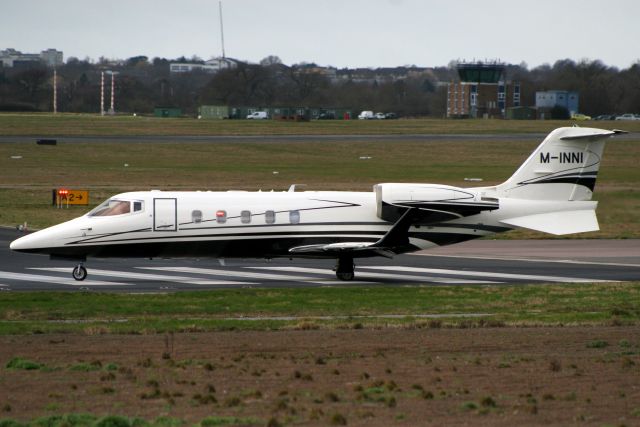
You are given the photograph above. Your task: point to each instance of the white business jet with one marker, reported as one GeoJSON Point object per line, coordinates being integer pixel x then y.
{"type": "Point", "coordinates": [551, 192]}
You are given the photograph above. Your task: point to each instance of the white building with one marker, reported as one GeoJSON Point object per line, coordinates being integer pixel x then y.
{"type": "Point", "coordinates": [50, 57]}
{"type": "Point", "coordinates": [211, 66]}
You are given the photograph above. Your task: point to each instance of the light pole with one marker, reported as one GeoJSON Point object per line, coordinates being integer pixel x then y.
{"type": "Point", "coordinates": [55, 91]}
{"type": "Point", "coordinates": [102, 93]}
{"type": "Point", "coordinates": [112, 110]}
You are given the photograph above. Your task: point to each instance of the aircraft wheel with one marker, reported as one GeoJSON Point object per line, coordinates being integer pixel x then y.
{"type": "Point", "coordinates": [345, 276]}
{"type": "Point", "coordinates": [345, 269]}
{"type": "Point", "coordinates": [79, 272]}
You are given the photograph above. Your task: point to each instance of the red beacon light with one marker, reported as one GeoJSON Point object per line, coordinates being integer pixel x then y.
{"type": "Point", "coordinates": [221, 216]}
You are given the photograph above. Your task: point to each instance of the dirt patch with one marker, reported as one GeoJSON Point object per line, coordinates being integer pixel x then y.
{"type": "Point", "coordinates": [493, 376]}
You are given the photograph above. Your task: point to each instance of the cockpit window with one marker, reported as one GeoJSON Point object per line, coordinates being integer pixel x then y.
{"type": "Point", "coordinates": [112, 207]}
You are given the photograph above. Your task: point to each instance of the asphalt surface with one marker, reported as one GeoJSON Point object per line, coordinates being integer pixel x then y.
{"type": "Point", "coordinates": [471, 263]}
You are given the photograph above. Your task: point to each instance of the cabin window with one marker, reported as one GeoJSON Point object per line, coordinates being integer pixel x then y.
{"type": "Point", "coordinates": [221, 217]}
{"type": "Point", "coordinates": [270, 217]}
{"type": "Point", "coordinates": [245, 217]}
{"type": "Point", "coordinates": [294, 217]}
{"type": "Point", "coordinates": [196, 216]}
{"type": "Point", "coordinates": [137, 206]}
{"type": "Point", "coordinates": [112, 207]}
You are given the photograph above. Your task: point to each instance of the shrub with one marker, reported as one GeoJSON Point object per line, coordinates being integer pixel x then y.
{"type": "Point", "coordinates": [113, 421]}
{"type": "Point", "coordinates": [597, 344]}
{"type": "Point", "coordinates": [20, 363]}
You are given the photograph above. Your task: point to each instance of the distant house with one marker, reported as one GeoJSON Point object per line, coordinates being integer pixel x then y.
{"type": "Point", "coordinates": [211, 66]}
{"type": "Point", "coordinates": [558, 98]}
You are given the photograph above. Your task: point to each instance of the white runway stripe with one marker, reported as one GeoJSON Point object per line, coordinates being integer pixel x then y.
{"type": "Point", "coordinates": [508, 258]}
{"type": "Point", "coordinates": [157, 277]}
{"type": "Point", "coordinates": [228, 273]}
{"type": "Point", "coordinates": [535, 277]}
{"type": "Point", "coordinates": [374, 276]}
{"type": "Point", "coordinates": [56, 279]}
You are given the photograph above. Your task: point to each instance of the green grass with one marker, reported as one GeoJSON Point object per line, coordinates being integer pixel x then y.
{"type": "Point", "coordinates": [45, 124]}
{"type": "Point", "coordinates": [96, 313]}
{"type": "Point", "coordinates": [23, 364]}
{"type": "Point", "coordinates": [26, 183]}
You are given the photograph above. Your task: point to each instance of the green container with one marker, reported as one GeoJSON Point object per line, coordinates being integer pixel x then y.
{"type": "Point", "coordinates": [213, 112]}
{"type": "Point", "coordinates": [167, 112]}
{"type": "Point", "coordinates": [521, 113]}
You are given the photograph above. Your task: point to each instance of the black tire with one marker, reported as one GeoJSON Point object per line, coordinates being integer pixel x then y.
{"type": "Point", "coordinates": [79, 273]}
{"type": "Point", "coordinates": [345, 276]}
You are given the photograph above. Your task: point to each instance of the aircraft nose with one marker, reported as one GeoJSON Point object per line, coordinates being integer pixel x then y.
{"type": "Point", "coordinates": [29, 243]}
{"type": "Point", "coordinates": [20, 244]}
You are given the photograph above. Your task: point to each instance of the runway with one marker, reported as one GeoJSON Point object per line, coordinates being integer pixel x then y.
{"type": "Point", "coordinates": [473, 263]}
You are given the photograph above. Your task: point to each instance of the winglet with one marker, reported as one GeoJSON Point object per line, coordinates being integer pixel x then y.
{"type": "Point", "coordinates": [398, 235]}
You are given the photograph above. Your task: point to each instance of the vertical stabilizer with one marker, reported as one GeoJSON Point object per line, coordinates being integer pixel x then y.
{"type": "Point", "coordinates": [563, 167]}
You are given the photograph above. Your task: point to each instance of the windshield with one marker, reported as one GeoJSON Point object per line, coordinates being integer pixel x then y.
{"type": "Point", "coordinates": [112, 207]}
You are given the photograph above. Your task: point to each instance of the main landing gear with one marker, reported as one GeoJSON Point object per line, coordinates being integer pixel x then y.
{"type": "Point", "coordinates": [345, 268]}
{"type": "Point", "coordinates": [79, 272]}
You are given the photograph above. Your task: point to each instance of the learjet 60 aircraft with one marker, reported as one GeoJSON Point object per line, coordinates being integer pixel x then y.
{"type": "Point", "coordinates": [551, 192]}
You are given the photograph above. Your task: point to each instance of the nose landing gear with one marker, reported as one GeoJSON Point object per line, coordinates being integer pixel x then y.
{"type": "Point", "coordinates": [345, 269]}
{"type": "Point", "coordinates": [79, 272]}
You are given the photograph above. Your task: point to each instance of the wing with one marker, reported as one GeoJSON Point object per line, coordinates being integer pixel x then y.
{"type": "Point", "coordinates": [395, 241]}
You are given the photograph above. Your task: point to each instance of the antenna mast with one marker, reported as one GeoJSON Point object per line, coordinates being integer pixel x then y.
{"type": "Point", "coordinates": [221, 27]}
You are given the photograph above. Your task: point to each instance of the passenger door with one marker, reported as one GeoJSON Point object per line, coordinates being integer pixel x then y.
{"type": "Point", "coordinates": [165, 215]}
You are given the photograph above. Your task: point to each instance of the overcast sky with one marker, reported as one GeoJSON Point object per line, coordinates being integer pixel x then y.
{"type": "Point", "coordinates": [342, 33]}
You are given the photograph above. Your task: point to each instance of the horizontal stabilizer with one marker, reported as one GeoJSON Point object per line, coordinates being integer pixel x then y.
{"type": "Point", "coordinates": [597, 134]}
{"type": "Point", "coordinates": [558, 223]}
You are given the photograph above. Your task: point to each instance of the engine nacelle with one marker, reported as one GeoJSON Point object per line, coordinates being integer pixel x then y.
{"type": "Point", "coordinates": [393, 199]}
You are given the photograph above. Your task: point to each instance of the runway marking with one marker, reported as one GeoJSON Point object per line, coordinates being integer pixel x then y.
{"type": "Point", "coordinates": [558, 261]}
{"type": "Point", "coordinates": [359, 274]}
{"type": "Point", "coordinates": [489, 274]}
{"type": "Point", "coordinates": [157, 277]}
{"type": "Point", "coordinates": [55, 279]}
{"type": "Point", "coordinates": [235, 273]}
{"type": "Point", "coordinates": [342, 282]}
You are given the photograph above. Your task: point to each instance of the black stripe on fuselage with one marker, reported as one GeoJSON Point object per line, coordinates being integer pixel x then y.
{"type": "Point", "coordinates": [258, 235]}
{"type": "Point", "coordinates": [267, 246]}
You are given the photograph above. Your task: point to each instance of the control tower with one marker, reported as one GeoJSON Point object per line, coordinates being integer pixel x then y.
{"type": "Point", "coordinates": [481, 91]}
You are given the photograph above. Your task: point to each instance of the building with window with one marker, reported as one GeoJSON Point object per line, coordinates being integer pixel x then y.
{"type": "Point", "coordinates": [558, 98]}
{"type": "Point", "coordinates": [211, 66]}
{"type": "Point", "coordinates": [481, 91]}
{"type": "Point", "coordinates": [11, 57]}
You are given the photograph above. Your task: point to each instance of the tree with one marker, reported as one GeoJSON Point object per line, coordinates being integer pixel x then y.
{"type": "Point", "coordinates": [270, 60]}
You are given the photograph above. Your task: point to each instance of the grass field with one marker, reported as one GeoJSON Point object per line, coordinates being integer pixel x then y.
{"type": "Point", "coordinates": [26, 182]}
{"type": "Point", "coordinates": [150, 382]}
{"type": "Point", "coordinates": [567, 304]}
{"type": "Point", "coordinates": [92, 124]}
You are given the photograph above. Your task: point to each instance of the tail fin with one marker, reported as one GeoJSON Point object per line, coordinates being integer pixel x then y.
{"type": "Point", "coordinates": [563, 167]}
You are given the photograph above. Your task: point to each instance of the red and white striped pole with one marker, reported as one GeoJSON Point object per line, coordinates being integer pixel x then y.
{"type": "Point", "coordinates": [112, 110]}
{"type": "Point", "coordinates": [102, 93]}
{"type": "Point", "coordinates": [55, 91]}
